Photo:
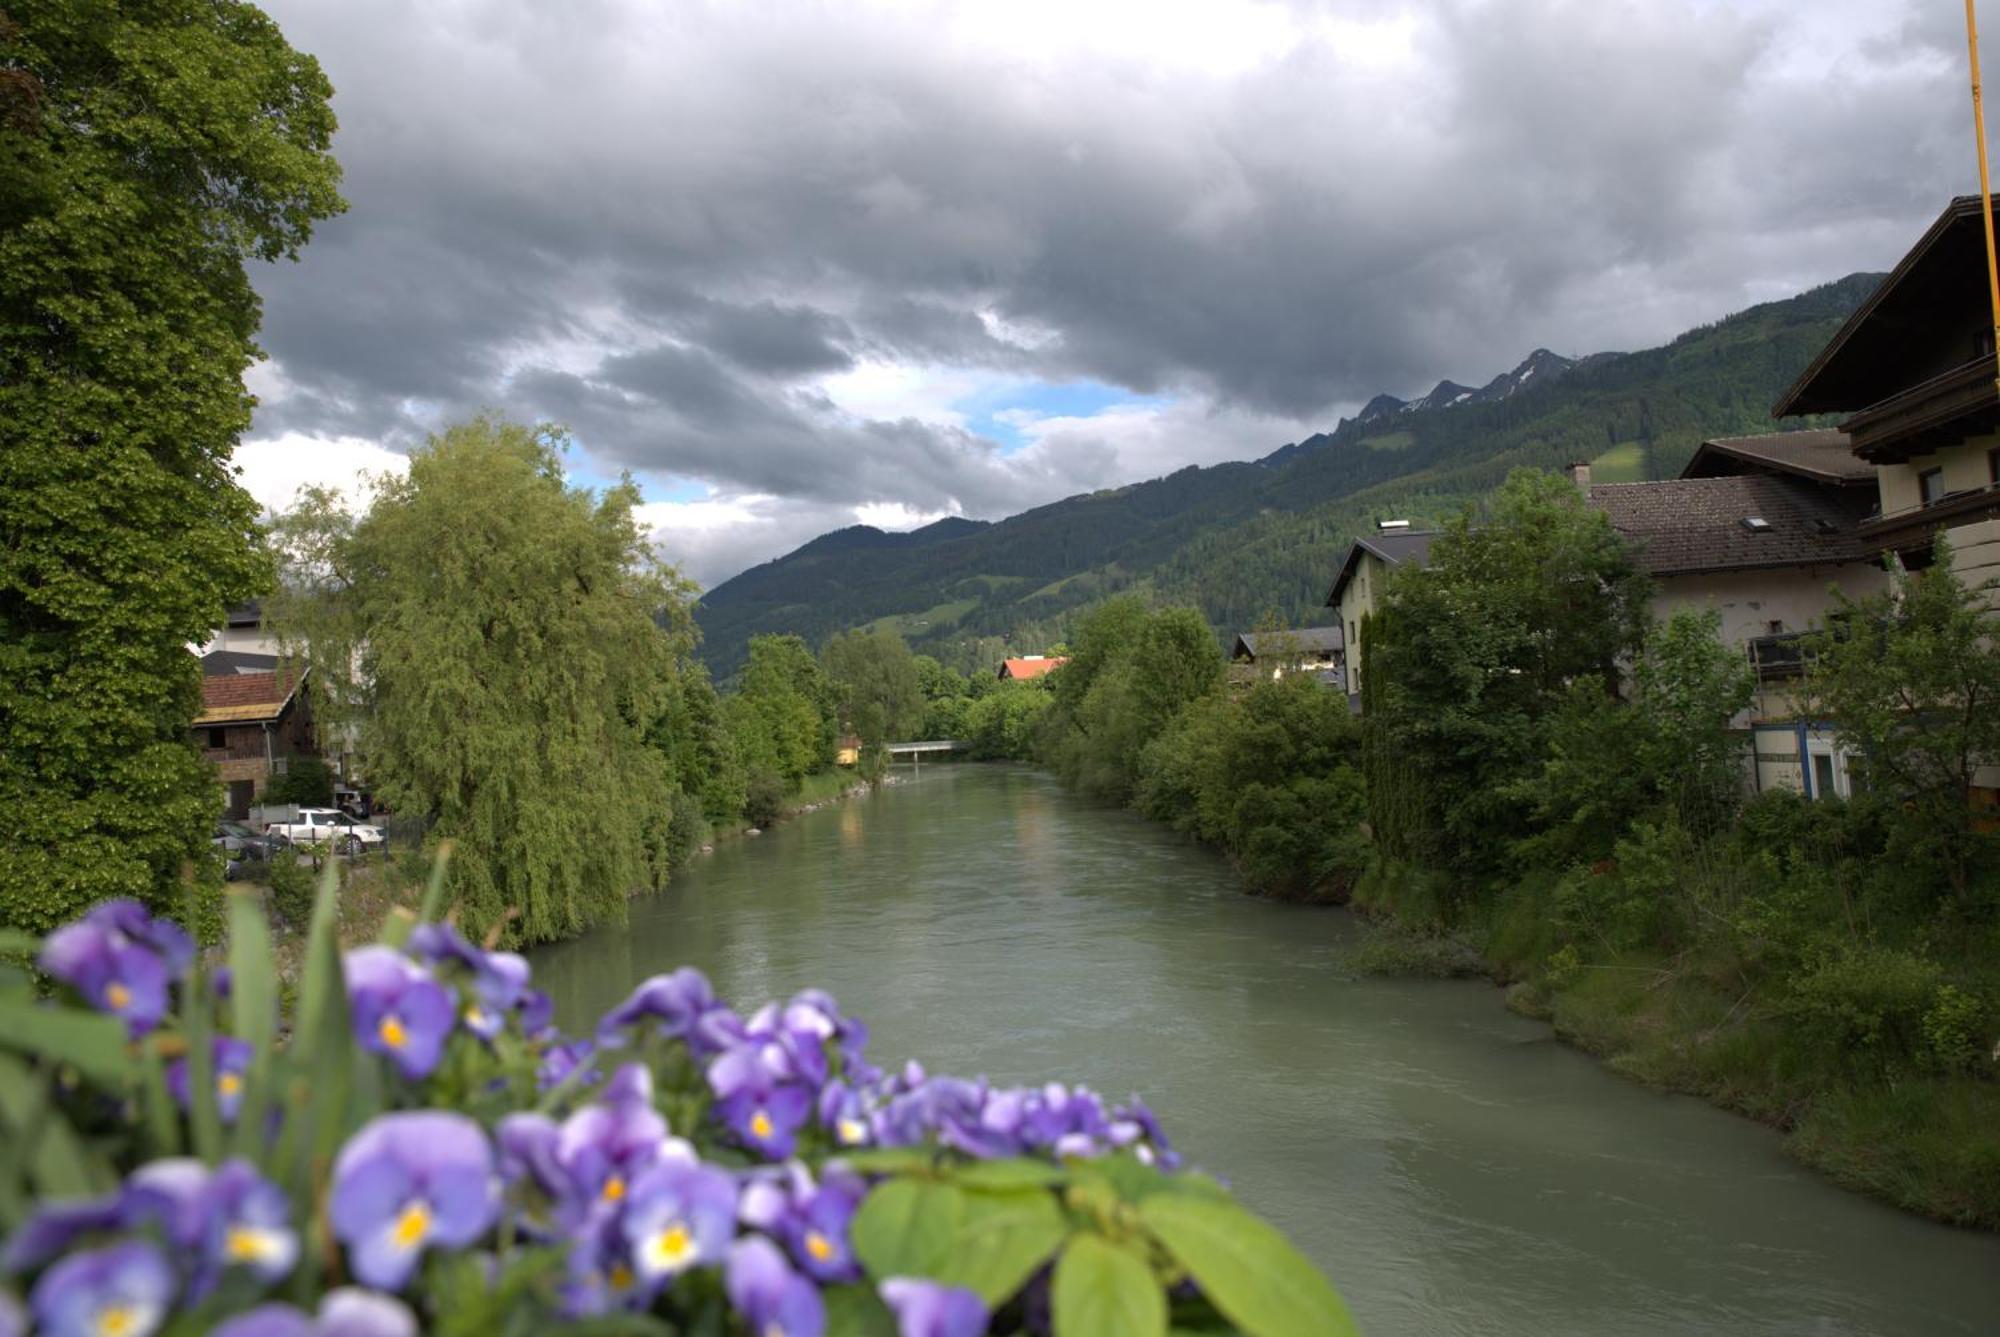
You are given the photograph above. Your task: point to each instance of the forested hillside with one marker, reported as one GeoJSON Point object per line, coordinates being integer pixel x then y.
{"type": "Point", "coordinates": [1243, 541]}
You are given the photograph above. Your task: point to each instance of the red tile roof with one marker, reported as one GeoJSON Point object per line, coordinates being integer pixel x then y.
{"type": "Point", "coordinates": [1031, 668]}
{"type": "Point", "coordinates": [1823, 455]}
{"type": "Point", "coordinates": [240, 698]}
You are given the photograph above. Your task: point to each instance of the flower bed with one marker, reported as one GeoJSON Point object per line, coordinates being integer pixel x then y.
{"type": "Point", "coordinates": [417, 1147]}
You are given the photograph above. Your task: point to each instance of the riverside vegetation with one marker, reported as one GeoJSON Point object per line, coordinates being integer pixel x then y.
{"type": "Point", "coordinates": [1545, 785]}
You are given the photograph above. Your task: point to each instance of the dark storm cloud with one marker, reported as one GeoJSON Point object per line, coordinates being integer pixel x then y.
{"type": "Point", "coordinates": [665, 225]}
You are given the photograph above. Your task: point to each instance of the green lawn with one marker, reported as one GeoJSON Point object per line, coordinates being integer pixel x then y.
{"type": "Point", "coordinates": [1623, 463]}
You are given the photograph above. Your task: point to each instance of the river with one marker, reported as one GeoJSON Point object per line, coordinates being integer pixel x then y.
{"type": "Point", "coordinates": [1451, 1166]}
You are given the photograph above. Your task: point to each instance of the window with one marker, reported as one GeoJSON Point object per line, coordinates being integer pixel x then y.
{"type": "Point", "coordinates": [1822, 775]}
{"type": "Point", "coordinates": [1930, 486]}
{"type": "Point", "coordinates": [1777, 626]}
{"type": "Point", "coordinates": [218, 738]}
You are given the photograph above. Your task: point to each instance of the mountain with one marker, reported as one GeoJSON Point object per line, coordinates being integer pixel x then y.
{"type": "Point", "coordinates": [1246, 540]}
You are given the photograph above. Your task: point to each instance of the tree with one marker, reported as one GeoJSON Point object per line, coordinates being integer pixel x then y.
{"type": "Point", "coordinates": [1912, 678]}
{"type": "Point", "coordinates": [1480, 650]}
{"type": "Point", "coordinates": [147, 152]}
{"type": "Point", "coordinates": [877, 687]}
{"type": "Point", "coordinates": [782, 715]}
{"type": "Point", "coordinates": [506, 642]}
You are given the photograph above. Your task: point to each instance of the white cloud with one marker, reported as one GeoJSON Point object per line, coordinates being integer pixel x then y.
{"type": "Point", "coordinates": [273, 470]}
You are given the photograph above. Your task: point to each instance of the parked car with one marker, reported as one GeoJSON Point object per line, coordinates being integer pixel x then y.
{"type": "Point", "coordinates": [243, 844]}
{"type": "Point", "coordinates": [330, 826]}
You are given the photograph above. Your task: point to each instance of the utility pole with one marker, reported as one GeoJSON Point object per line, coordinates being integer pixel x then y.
{"type": "Point", "coordinates": [1985, 183]}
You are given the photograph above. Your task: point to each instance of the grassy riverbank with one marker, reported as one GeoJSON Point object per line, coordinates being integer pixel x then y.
{"type": "Point", "coordinates": [1911, 1129]}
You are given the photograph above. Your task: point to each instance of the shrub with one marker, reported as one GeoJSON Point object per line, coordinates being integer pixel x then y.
{"type": "Point", "coordinates": [1955, 1031]}
{"type": "Point", "coordinates": [1862, 1004]}
{"type": "Point", "coordinates": [764, 799]}
{"type": "Point", "coordinates": [291, 890]}
{"type": "Point", "coordinates": [307, 782]}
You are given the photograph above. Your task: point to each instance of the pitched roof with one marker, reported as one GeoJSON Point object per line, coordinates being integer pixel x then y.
{"type": "Point", "coordinates": [1302, 640]}
{"type": "Point", "coordinates": [1393, 546]}
{"type": "Point", "coordinates": [236, 661]}
{"type": "Point", "coordinates": [1882, 346]}
{"type": "Point", "coordinates": [1823, 455]}
{"type": "Point", "coordinates": [1684, 526]}
{"type": "Point", "coordinates": [246, 698]}
{"type": "Point", "coordinates": [1031, 667]}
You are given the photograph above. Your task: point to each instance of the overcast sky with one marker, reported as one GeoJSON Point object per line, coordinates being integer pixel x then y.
{"type": "Point", "coordinates": [796, 266]}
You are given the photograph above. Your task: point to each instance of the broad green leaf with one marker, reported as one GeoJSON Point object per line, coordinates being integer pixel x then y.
{"type": "Point", "coordinates": [253, 998]}
{"type": "Point", "coordinates": [1018, 1173]}
{"type": "Point", "coordinates": [1002, 1239]}
{"type": "Point", "coordinates": [1104, 1289]}
{"type": "Point", "coordinates": [856, 1311]}
{"type": "Point", "coordinates": [94, 1045]}
{"type": "Point", "coordinates": [433, 907]}
{"type": "Point", "coordinates": [197, 1015]}
{"type": "Point", "coordinates": [1245, 1267]}
{"type": "Point", "coordinates": [906, 1227]}
{"type": "Point", "coordinates": [1130, 1176]}
{"type": "Point", "coordinates": [889, 1160]}
{"type": "Point", "coordinates": [163, 1121]}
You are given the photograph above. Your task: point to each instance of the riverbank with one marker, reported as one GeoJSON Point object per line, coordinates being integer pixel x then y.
{"type": "Point", "coordinates": [1692, 1023]}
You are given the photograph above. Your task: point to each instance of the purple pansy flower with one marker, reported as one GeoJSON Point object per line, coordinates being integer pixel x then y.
{"type": "Point", "coordinates": [681, 1213]}
{"type": "Point", "coordinates": [13, 1318]}
{"type": "Point", "coordinates": [399, 1010]}
{"type": "Point", "coordinates": [844, 1113]}
{"type": "Point", "coordinates": [121, 960]}
{"type": "Point", "coordinates": [685, 1008]}
{"type": "Point", "coordinates": [231, 1061]}
{"type": "Point", "coordinates": [347, 1312]}
{"type": "Point", "coordinates": [538, 1014]}
{"type": "Point", "coordinates": [773, 1300]}
{"type": "Point", "coordinates": [248, 1223]}
{"type": "Point", "coordinates": [559, 1061]}
{"type": "Point", "coordinates": [811, 1218]}
{"type": "Point", "coordinates": [406, 1181]}
{"type": "Point", "coordinates": [499, 979]}
{"type": "Point", "coordinates": [57, 1225]}
{"type": "Point", "coordinates": [124, 1289]}
{"type": "Point", "coordinates": [596, 1154]}
{"type": "Point", "coordinates": [927, 1309]}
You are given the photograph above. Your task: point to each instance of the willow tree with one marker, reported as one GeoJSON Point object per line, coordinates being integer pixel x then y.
{"type": "Point", "coordinates": [499, 643]}
{"type": "Point", "coordinates": [148, 150]}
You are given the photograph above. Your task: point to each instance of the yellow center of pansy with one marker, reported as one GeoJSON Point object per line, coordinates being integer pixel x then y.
{"type": "Point", "coordinates": [120, 998]}
{"type": "Point", "coordinates": [244, 1245]}
{"type": "Point", "coordinates": [391, 1033]}
{"type": "Point", "coordinates": [614, 1189]}
{"type": "Point", "coordinates": [673, 1247]}
{"type": "Point", "coordinates": [851, 1131]}
{"type": "Point", "coordinates": [412, 1226]}
{"type": "Point", "coordinates": [760, 1124]}
{"type": "Point", "coordinates": [819, 1246]}
{"type": "Point", "coordinates": [620, 1278]}
{"type": "Point", "coordinates": [117, 1320]}
{"type": "Point", "coordinates": [228, 1084]}
{"type": "Point", "coordinates": [474, 1017]}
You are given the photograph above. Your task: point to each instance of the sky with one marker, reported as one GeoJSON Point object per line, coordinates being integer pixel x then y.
{"type": "Point", "coordinates": [796, 266]}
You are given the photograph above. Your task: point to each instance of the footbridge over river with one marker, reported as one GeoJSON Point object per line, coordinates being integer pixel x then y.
{"type": "Point", "coordinates": [914, 753]}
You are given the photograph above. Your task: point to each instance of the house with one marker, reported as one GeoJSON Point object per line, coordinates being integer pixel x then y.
{"type": "Point", "coordinates": [1763, 531]}
{"type": "Point", "coordinates": [1029, 667]}
{"type": "Point", "coordinates": [222, 662]}
{"type": "Point", "coordinates": [1358, 586]}
{"type": "Point", "coordinates": [1913, 370]}
{"type": "Point", "coordinates": [243, 631]}
{"type": "Point", "coordinates": [250, 726]}
{"type": "Point", "coordinates": [1316, 650]}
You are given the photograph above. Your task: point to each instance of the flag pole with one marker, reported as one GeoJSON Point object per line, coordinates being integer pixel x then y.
{"type": "Point", "coordinates": [1985, 183]}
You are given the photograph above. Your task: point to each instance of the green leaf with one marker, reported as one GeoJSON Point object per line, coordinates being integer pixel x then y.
{"type": "Point", "coordinates": [1018, 1173]}
{"type": "Point", "coordinates": [906, 1227]}
{"type": "Point", "coordinates": [253, 994]}
{"type": "Point", "coordinates": [856, 1311]}
{"type": "Point", "coordinates": [1245, 1267]}
{"type": "Point", "coordinates": [1103, 1289]}
{"type": "Point", "coordinates": [40, 1144]}
{"type": "Point", "coordinates": [15, 943]}
{"type": "Point", "coordinates": [889, 1160]}
{"type": "Point", "coordinates": [94, 1045]}
{"type": "Point", "coordinates": [1002, 1239]}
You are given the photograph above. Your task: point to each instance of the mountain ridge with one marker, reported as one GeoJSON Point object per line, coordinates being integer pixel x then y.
{"type": "Point", "coordinates": [1247, 539]}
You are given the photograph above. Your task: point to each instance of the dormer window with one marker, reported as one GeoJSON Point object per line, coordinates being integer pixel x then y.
{"type": "Point", "coordinates": [1756, 524]}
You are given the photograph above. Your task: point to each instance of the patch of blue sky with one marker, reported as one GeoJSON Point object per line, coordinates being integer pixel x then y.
{"type": "Point", "coordinates": [1004, 413]}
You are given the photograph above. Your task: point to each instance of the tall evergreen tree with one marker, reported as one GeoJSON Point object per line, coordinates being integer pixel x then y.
{"type": "Point", "coordinates": [148, 150]}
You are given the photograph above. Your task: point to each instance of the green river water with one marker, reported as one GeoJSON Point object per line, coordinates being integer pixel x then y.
{"type": "Point", "coordinates": [1453, 1168]}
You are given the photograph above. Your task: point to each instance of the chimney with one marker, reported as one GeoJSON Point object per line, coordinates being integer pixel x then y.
{"type": "Point", "coordinates": [1579, 473]}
